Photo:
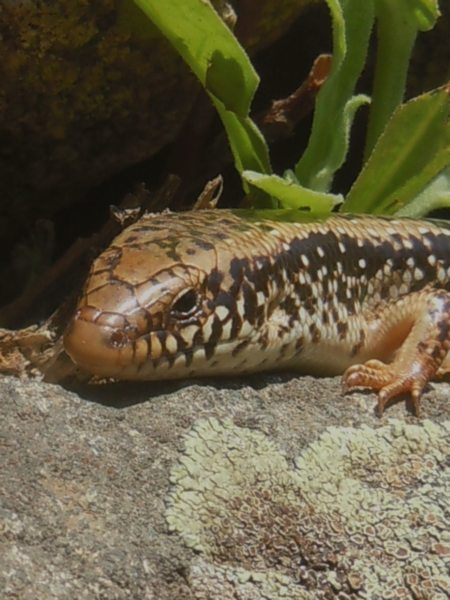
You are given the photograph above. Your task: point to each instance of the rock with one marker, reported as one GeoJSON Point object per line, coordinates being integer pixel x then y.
{"type": "Point", "coordinates": [89, 89]}
{"type": "Point", "coordinates": [89, 479]}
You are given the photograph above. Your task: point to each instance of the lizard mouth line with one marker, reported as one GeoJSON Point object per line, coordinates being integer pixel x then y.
{"type": "Point", "coordinates": [105, 351]}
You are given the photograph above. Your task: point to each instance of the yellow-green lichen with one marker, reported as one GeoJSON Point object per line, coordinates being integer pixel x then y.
{"type": "Point", "coordinates": [363, 514]}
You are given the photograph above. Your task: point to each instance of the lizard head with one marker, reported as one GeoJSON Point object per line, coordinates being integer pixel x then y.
{"type": "Point", "coordinates": [173, 296]}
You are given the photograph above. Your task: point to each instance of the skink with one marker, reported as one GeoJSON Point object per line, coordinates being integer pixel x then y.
{"type": "Point", "coordinates": [221, 292]}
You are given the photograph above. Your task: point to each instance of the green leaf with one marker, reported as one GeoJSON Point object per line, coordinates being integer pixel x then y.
{"type": "Point", "coordinates": [425, 13]}
{"type": "Point", "coordinates": [226, 69]}
{"type": "Point", "coordinates": [340, 143]}
{"type": "Point", "coordinates": [412, 151]}
{"type": "Point", "coordinates": [335, 106]}
{"type": "Point", "coordinates": [435, 195]}
{"type": "Point", "coordinates": [204, 41]}
{"type": "Point", "coordinates": [293, 195]}
{"type": "Point", "coordinates": [215, 56]}
{"type": "Point", "coordinates": [397, 25]}
{"type": "Point", "coordinates": [246, 140]}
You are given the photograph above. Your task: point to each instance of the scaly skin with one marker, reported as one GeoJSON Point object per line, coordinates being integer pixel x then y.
{"type": "Point", "coordinates": [219, 292]}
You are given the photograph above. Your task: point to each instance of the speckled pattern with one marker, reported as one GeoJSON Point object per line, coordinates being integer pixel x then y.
{"type": "Point", "coordinates": [364, 513]}
{"type": "Point", "coordinates": [217, 292]}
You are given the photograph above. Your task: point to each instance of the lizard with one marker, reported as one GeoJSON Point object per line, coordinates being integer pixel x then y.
{"type": "Point", "coordinates": [220, 292]}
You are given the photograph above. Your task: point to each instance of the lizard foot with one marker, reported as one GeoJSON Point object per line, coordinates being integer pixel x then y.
{"type": "Point", "coordinates": [389, 381]}
{"type": "Point", "coordinates": [413, 333]}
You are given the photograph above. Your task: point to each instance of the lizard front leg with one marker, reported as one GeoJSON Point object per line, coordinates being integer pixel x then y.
{"type": "Point", "coordinates": [414, 332]}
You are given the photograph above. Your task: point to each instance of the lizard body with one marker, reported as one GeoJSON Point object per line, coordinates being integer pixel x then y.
{"type": "Point", "coordinates": [218, 292]}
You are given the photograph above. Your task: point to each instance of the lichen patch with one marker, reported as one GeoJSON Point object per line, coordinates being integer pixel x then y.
{"type": "Point", "coordinates": [363, 513]}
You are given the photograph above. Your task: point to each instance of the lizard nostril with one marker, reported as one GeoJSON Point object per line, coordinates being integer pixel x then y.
{"type": "Point", "coordinates": [123, 337]}
{"type": "Point", "coordinates": [119, 339]}
{"type": "Point", "coordinates": [104, 344]}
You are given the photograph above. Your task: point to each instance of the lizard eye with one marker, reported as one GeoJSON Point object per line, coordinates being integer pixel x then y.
{"type": "Point", "coordinates": [185, 305]}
